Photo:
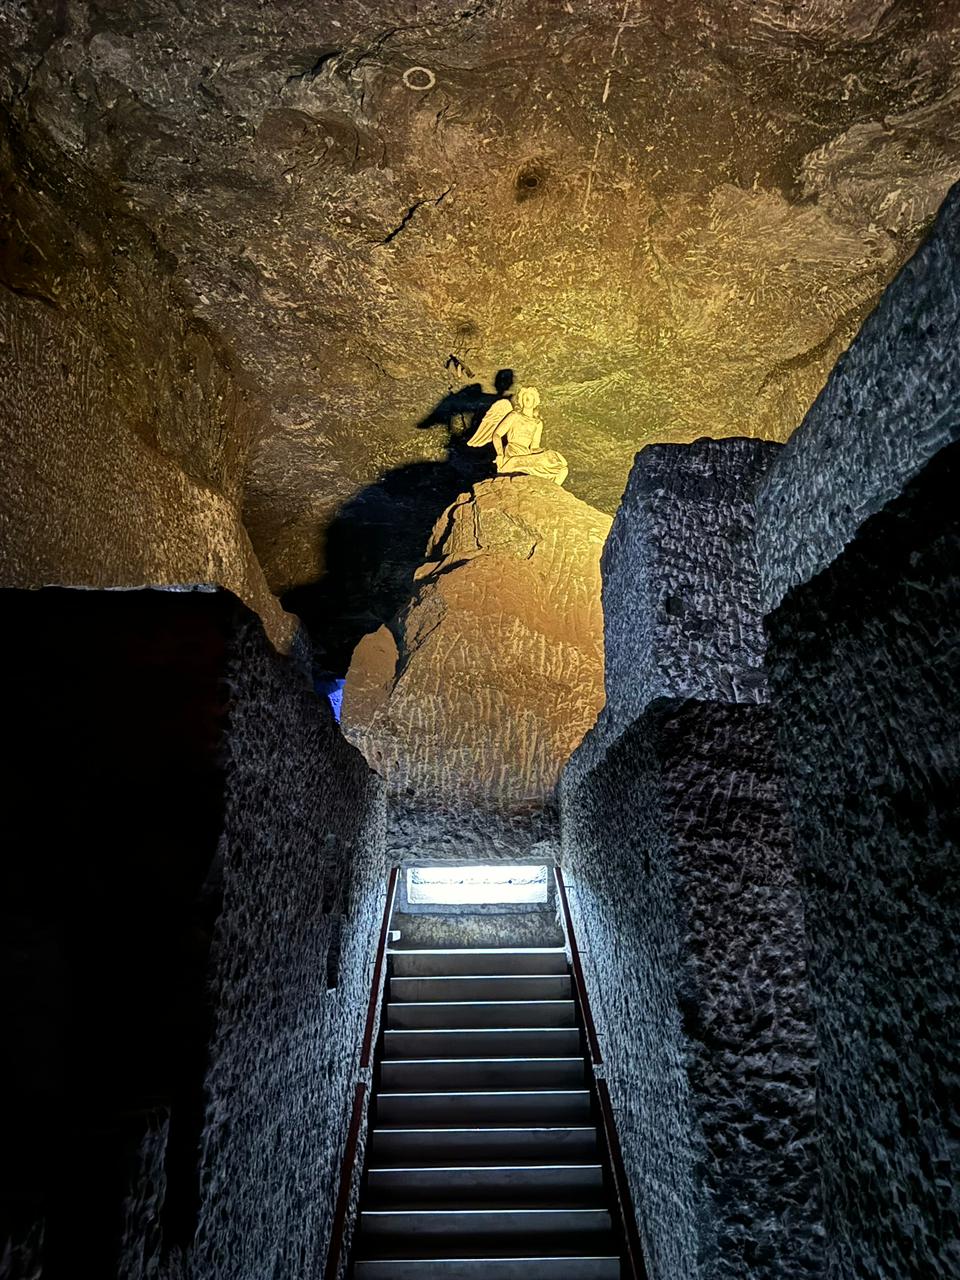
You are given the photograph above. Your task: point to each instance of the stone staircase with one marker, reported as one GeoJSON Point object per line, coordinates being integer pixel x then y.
{"type": "Point", "coordinates": [484, 1161]}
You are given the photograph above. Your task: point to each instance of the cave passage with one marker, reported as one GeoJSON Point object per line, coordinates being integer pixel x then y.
{"type": "Point", "coordinates": [479, 619]}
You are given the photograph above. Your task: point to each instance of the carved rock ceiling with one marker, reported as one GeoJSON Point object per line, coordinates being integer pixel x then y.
{"type": "Point", "coordinates": [670, 215]}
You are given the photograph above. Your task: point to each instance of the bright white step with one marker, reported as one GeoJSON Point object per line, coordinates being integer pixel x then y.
{"type": "Point", "coordinates": [477, 960]}
{"type": "Point", "coordinates": [464, 1014]}
{"type": "Point", "coordinates": [500, 1106]}
{"type": "Point", "coordinates": [482, 1042]}
{"type": "Point", "coordinates": [477, 1073]}
{"type": "Point", "coordinates": [532, 1268]}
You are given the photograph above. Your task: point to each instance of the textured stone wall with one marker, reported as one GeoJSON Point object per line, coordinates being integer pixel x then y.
{"type": "Point", "coordinates": [863, 663]}
{"type": "Point", "coordinates": [190, 811]}
{"type": "Point", "coordinates": [685, 895]}
{"type": "Point", "coordinates": [889, 405]}
{"type": "Point", "coordinates": [615, 862]}
{"type": "Point", "coordinates": [302, 863]}
{"type": "Point", "coordinates": [684, 888]}
{"type": "Point", "coordinates": [789, 929]}
{"type": "Point", "coordinates": [680, 609]}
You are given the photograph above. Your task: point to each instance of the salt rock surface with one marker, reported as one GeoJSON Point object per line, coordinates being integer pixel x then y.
{"type": "Point", "coordinates": [479, 690]}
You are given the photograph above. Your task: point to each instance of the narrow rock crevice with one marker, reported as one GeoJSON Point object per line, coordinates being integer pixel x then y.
{"type": "Point", "coordinates": [408, 217]}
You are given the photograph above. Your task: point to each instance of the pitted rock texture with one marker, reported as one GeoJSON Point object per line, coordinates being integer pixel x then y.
{"type": "Point", "coordinates": [303, 871]}
{"type": "Point", "coordinates": [677, 852]}
{"type": "Point", "coordinates": [479, 691]}
{"type": "Point", "coordinates": [686, 904]}
{"type": "Point", "coordinates": [448, 828]}
{"type": "Point", "coordinates": [125, 430]}
{"type": "Point", "coordinates": [108, 903]}
{"type": "Point", "coordinates": [613, 845]}
{"type": "Point", "coordinates": [212, 836]}
{"type": "Point", "coordinates": [680, 582]}
{"type": "Point", "coordinates": [144, 1254]}
{"type": "Point", "coordinates": [889, 405]}
{"type": "Point", "coordinates": [671, 216]}
{"type": "Point", "coordinates": [863, 663]}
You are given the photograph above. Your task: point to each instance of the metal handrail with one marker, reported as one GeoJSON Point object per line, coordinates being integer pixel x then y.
{"type": "Point", "coordinates": [634, 1248]}
{"type": "Point", "coordinates": [366, 1049]}
{"type": "Point", "coordinates": [348, 1161]}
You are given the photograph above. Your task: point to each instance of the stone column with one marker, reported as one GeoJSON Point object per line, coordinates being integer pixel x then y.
{"type": "Point", "coordinates": [859, 541]}
{"type": "Point", "coordinates": [684, 887]}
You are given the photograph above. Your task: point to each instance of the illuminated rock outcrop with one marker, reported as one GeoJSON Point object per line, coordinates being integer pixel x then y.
{"type": "Point", "coordinates": [479, 690]}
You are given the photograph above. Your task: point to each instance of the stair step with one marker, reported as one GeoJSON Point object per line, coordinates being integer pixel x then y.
{"type": "Point", "coordinates": [511, 986]}
{"type": "Point", "coordinates": [483, 1163]}
{"type": "Point", "coordinates": [479, 1224]}
{"type": "Point", "coordinates": [500, 1042]}
{"type": "Point", "coordinates": [500, 1106]}
{"type": "Point", "coordinates": [518, 1184]}
{"type": "Point", "coordinates": [549, 1267]}
{"type": "Point", "coordinates": [474, 960]}
{"type": "Point", "coordinates": [462, 1014]}
{"type": "Point", "coordinates": [469, 1073]}
{"type": "Point", "coordinates": [494, 1144]}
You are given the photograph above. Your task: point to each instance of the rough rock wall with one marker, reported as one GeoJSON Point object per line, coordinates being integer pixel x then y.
{"type": "Point", "coordinates": [682, 529]}
{"type": "Point", "coordinates": [615, 857]}
{"type": "Point", "coordinates": [125, 429]}
{"type": "Point", "coordinates": [470, 702]}
{"type": "Point", "coordinates": [304, 876]}
{"type": "Point", "coordinates": [190, 808]}
{"type": "Point", "coordinates": [113, 799]}
{"type": "Point", "coordinates": [889, 405]}
{"type": "Point", "coordinates": [685, 896]}
{"type": "Point", "coordinates": [863, 664]}
{"type": "Point", "coordinates": [857, 536]}
{"type": "Point", "coordinates": [684, 887]}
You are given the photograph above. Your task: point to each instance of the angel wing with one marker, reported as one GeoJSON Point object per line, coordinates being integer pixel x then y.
{"type": "Point", "coordinates": [490, 421]}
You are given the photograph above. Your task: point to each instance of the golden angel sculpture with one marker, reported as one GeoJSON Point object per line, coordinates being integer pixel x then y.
{"type": "Point", "coordinates": [514, 428]}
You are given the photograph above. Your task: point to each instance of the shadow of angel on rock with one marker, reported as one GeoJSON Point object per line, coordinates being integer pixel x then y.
{"type": "Point", "coordinates": [378, 538]}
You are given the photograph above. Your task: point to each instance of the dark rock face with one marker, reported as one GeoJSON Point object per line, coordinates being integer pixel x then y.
{"type": "Point", "coordinates": [889, 405]}
{"type": "Point", "coordinates": [191, 811]}
{"type": "Point", "coordinates": [685, 526]}
{"type": "Point", "coordinates": [858, 542]}
{"type": "Point", "coordinates": [863, 663]}
{"type": "Point", "coordinates": [684, 889]}
{"type": "Point", "coordinates": [530, 929]}
{"type": "Point", "coordinates": [460, 833]}
{"type": "Point", "coordinates": [795, 920]}
{"type": "Point", "coordinates": [686, 895]}
{"type": "Point", "coordinates": [109, 898]}
{"type": "Point", "coordinates": [671, 217]}
{"type": "Point", "coordinates": [742, 988]}
{"type": "Point", "coordinates": [303, 875]}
